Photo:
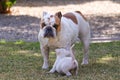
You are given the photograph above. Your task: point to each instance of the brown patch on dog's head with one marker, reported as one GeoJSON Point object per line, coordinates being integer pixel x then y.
{"type": "Point", "coordinates": [81, 15]}
{"type": "Point", "coordinates": [71, 16]}
{"type": "Point", "coordinates": [46, 19]}
{"type": "Point", "coordinates": [58, 16]}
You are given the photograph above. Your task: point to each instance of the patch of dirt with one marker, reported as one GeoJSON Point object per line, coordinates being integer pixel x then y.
{"type": "Point", "coordinates": [23, 22]}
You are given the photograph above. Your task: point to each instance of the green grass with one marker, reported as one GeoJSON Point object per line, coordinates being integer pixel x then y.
{"type": "Point", "coordinates": [23, 61]}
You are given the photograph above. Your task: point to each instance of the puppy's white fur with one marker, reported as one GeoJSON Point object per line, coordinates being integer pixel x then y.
{"type": "Point", "coordinates": [65, 62]}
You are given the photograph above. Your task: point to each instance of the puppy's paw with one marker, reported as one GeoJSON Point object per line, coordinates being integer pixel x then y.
{"type": "Point", "coordinates": [68, 74]}
{"type": "Point", "coordinates": [51, 71]}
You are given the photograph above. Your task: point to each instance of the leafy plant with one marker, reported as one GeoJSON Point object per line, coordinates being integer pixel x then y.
{"type": "Point", "coordinates": [5, 5]}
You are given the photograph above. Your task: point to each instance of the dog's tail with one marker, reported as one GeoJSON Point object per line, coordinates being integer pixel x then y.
{"type": "Point", "coordinates": [72, 52]}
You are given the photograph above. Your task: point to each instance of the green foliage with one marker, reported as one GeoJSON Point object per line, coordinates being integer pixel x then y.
{"type": "Point", "coordinates": [6, 5]}
{"type": "Point", "coordinates": [13, 1]}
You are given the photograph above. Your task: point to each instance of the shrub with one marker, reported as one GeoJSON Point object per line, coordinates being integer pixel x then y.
{"type": "Point", "coordinates": [5, 5]}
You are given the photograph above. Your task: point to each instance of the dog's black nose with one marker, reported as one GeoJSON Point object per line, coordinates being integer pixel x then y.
{"type": "Point", "coordinates": [49, 28]}
{"type": "Point", "coordinates": [48, 32]}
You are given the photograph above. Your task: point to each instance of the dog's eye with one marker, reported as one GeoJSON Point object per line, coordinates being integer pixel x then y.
{"type": "Point", "coordinates": [43, 24]}
{"type": "Point", "coordinates": [55, 26]}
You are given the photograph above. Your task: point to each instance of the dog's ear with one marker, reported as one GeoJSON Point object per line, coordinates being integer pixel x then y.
{"type": "Point", "coordinates": [44, 13]}
{"type": "Point", "coordinates": [59, 14]}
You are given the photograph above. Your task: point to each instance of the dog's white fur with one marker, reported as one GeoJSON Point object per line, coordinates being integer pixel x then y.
{"type": "Point", "coordinates": [68, 34]}
{"type": "Point", "coordinates": [65, 62]}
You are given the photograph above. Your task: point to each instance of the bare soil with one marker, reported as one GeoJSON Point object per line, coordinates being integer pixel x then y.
{"type": "Point", "coordinates": [23, 22]}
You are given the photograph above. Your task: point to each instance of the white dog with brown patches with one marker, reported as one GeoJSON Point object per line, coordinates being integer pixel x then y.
{"type": "Point", "coordinates": [65, 62]}
{"type": "Point", "coordinates": [61, 31]}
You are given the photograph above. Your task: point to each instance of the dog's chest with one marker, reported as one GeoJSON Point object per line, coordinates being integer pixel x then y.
{"type": "Point", "coordinates": [62, 40]}
{"type": "Point", "coordinates": [55, 43]}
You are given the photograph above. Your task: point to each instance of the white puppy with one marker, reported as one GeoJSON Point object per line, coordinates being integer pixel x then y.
{"type": "Point", "coordinates": [65, 62]}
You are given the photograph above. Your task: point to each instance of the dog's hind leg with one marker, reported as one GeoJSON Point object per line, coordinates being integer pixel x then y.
{"type": "Point", "coordinates": [84, 36]}
{"type": "Point", "coordinates": [86, 42]}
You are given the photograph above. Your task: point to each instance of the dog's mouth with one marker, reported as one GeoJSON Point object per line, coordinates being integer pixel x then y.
{"type": "Point", "coordinates": [49, 33]}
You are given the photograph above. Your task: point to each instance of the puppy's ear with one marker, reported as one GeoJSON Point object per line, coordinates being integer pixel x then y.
{"type": "Point", "coordinates": [57, 51]}
{"type": "Point", "coordinates": [59, 14]}
{"type": "Point", "coordinates": [44, 13]}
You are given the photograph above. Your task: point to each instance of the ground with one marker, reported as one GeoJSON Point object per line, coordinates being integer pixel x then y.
{"type": "Point", "coordinates": [23, 22]}
{"type": "Point", "coordinates": [21, 60]}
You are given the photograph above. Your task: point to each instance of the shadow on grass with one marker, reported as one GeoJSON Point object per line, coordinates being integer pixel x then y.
{"type": "Point", "coordinates": [26, 28]}
{"type": "Point", "coordinates": [105, 26]}
{"type": "Point", "coordinates": [22, 27]}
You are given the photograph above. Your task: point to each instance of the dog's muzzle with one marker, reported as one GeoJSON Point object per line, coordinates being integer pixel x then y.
{"type": "Point", "coordinates": [49, 32]}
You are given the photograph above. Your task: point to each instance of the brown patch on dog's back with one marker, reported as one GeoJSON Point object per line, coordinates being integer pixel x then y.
{"type": "Point", "coordinates": [71, 16]}
{"type": "Point", "coordinates": [81, 15]}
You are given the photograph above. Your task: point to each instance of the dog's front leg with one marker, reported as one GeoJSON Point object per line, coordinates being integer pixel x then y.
{"type": "Point", "coordinates": [45, 54]}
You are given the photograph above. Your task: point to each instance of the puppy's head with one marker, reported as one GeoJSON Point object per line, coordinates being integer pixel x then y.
{"type": "Point", "coordinates": [50, 24]}
{"type": "Point", "coordinates": [62, 52]}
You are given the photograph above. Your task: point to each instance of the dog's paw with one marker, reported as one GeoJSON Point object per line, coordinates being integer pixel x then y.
{"type": "Point", "coordinates": [84, 62]}
{"type": "Point", "coordinates": [45, 67]}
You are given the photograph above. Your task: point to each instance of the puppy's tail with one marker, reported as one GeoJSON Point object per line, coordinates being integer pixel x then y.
{"type": "Point", "coordinates": [76, 68]}
{"type": "Point", "coordinates": [72, 52]}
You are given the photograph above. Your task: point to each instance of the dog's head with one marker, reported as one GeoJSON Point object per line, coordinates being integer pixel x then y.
{"type": "Point", "coordinates": [50, 24]}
